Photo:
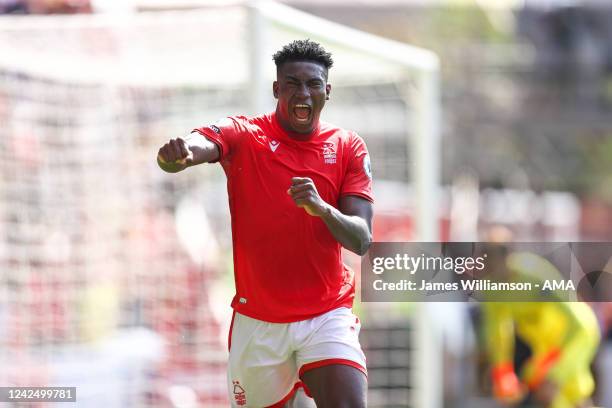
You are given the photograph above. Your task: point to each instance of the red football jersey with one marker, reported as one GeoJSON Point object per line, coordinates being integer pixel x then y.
{"type": "Point", "coordinates": [287, 264]}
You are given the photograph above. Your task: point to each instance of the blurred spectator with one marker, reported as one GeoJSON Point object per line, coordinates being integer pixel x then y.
{"type": "Point", "coordinates": [45, 6]}
{"type": "Point", "coordinates": [58, 6]}
{"type": "Point", "coordinates": [13, 6]}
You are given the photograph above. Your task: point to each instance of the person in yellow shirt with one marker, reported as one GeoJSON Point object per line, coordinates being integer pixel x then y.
{"type": "Point", "coordinates": [563, 338]}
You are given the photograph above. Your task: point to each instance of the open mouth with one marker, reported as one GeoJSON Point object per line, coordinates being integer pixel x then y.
{"type": "Point", "coordinates": [302, 112]}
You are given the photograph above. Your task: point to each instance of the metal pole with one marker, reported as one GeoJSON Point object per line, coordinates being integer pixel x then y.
{"type": "Point", "coordinates": [258, 83]}
{"type": "Point", "coordinates": [425, 152]}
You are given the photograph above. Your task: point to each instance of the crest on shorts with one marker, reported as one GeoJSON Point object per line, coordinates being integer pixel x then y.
{"type": "Point", "coordinates": [239, 393]}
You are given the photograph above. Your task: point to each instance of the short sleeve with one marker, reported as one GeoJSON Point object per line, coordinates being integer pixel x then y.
{"type": "Point", "coordinates": [226, 133]}
{"type": "Point", "coordinates": [358, 177]}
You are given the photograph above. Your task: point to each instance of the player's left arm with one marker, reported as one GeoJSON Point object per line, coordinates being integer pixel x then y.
{"type": "Point", "coordinates": [350, 223]}
{"type": "Point", "coordinates": [579, 341]}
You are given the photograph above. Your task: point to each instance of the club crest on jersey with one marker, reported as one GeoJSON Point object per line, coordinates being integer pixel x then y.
{"type": "Point", "coordinates": [273, 145]}
{"type": "Point", "coordinates": [329, 153]}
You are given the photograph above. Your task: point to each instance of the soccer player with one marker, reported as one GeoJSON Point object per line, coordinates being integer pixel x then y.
{"type": "Point", "coordinates": [562, 337]}
{"type": "Point", "coordinates": [299, 190]}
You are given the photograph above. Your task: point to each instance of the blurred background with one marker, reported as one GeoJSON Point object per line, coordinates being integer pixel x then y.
{"type": "Point", "coordinates": [116, 277]}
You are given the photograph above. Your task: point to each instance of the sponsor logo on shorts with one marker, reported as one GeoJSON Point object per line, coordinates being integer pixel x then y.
{"type": "Point", "coordinates": [239, 394]}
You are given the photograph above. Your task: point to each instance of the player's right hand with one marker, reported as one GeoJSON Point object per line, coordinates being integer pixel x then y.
{"type": "Point", "coordinates": [506, 386]}
{"type": "Point", "coordinates": [175, 151]}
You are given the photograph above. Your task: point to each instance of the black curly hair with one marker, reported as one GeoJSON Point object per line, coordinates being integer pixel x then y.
{"type": "Point", "coordinates": [303, 50]}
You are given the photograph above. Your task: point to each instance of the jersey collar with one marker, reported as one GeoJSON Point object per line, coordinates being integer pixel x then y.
{"type": "Point", "coordinates": [294, 136]}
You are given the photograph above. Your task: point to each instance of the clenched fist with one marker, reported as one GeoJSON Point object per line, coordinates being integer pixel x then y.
{"type": "Point", "coordinates": [305, 195]}
{"type": "Point", "coordinates": [174, 156]}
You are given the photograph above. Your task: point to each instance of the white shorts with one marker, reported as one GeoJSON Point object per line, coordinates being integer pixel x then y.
{"type": "Point", "coordinates": [267, 360]}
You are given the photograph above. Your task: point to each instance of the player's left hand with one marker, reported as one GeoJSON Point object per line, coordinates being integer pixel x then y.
{"type": "Point", "coordinates": [546, 392]}
{"type": "Point", "coordinates": [305, 195]}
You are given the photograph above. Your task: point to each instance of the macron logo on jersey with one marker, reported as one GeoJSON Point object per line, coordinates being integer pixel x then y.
{"type": "Point", "coordinates": [273, 145]}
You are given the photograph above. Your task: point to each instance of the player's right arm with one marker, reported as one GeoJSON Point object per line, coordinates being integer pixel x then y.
{"type": "Point", "coordinates": [182, 152]}
{"type": "Point", "coordinates": [499, 341]}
